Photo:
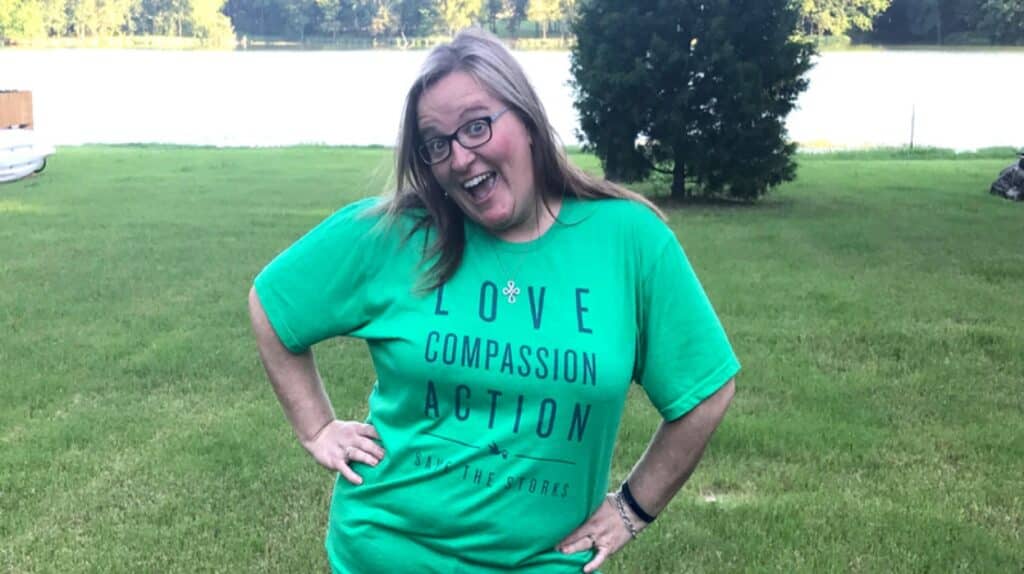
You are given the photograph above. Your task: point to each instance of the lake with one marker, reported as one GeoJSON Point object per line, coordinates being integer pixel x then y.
{"type": "Point", "coordinates": [956, 99]}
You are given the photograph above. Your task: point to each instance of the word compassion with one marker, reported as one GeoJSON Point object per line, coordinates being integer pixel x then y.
{"type": "Point", "coordinates": [526, 361]}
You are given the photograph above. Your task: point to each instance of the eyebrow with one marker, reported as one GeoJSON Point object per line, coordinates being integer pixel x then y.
{"type": "Point", "coordinates": [430, 130]}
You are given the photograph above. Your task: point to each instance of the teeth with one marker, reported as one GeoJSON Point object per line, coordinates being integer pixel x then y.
{"type": "Point", "coordinates": [476, 180]}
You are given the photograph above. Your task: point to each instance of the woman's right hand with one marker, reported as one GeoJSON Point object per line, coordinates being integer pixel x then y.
{"type": "Point", "coordinates": [341, 443]}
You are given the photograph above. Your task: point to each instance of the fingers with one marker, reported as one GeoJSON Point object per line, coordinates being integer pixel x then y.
{"type": "Point", "coordinates": [349, 474]}
{"type": "Point", "coordinates": [368, 431]}
{"type": "Point", "coordinates": [576, 542]}
{"type": "Point", "coordinates": [595, 563]}
{"type": "Point", "coordinates": [353, 454]}
{"type": "Point", "coordinates": [341, 444]}
{"type": "Point", "coordinates": [368, 446]}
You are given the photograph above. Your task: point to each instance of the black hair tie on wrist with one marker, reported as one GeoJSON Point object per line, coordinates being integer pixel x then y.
{"type": "Point", "coordinates": [634, 505]}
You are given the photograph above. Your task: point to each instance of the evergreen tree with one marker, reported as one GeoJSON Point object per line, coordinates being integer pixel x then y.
{"type": "Point", "coordinates": [703, 85]}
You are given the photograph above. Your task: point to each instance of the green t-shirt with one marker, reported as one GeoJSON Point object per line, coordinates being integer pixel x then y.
{"type": "Point", "coordinates": [498, 417]}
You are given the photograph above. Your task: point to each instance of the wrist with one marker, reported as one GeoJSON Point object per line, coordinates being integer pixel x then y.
{"type": "Point", "coordinates": [310, 433]}
{"type": "Point", "coordinates": [631, 503]}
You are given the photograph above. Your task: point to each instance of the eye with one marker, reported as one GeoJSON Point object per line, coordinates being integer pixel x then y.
{"type": "Point", "coordinates": [476, 128]}
{"type": "Point", "coordinates": [436, 145]}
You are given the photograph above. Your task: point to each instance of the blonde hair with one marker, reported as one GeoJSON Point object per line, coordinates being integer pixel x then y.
{"type": "Point", "coordinates": [483, 57]}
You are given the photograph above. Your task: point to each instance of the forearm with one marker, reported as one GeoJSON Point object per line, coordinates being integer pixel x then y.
{"type": "Point", "coordinates": [675, 450]}
{"type": "Point", "coordinates": [294, 377]}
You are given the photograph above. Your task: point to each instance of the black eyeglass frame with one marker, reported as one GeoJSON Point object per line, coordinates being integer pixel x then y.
{"type": "Point", "coordinates": [421, 150]}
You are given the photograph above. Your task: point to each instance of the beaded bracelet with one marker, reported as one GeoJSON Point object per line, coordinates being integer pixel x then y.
{"type": "Point", "coordinates": [634, 505]}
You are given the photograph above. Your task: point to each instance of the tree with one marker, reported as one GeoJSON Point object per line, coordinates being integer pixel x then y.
{"type": "Point", "coordinates": [20, 20]}
{"type": "Point", "coordinates": [298, 15]}
{"type": "Point", "coordinates": [55, 19]}
{"type": "Point", "coordinates": [837, 17]}
{"type": "Point", "coordinates": [1002, 21]}
{"type": "Point", "coordinates": [112, 17]}
{"type": "Point", "coordinates": [330, 17]}
{"type": "Point", "coordinates": [209, 24]}
{"type": "Point", "coordinates": [83, 16]}
{"type": "Point", "coordinates": [923, 21]}
{"type": "Point", "coordinates": [385, 18]}
{"type": "Point", "coordinates": [515, 13]}
{"type": "Point", "coordinates": [415, 16]}
{"type": "Point", "coordinates": [568, 13]}
{"type": "Point", "coordinates": [457, 14]}
{"type": "Point", "coordinates": [491, 12]}
{"type": "Point", "coordinates": [544, 12]}
{"type": "Point", "coordinates": [705, 85]}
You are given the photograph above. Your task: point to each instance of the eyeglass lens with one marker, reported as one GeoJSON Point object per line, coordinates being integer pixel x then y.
{"type": "Point", "coordinates": [473, 134]}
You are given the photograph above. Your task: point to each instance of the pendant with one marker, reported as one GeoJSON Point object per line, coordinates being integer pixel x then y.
{"type": "Point", "coordinates": [511, 291]}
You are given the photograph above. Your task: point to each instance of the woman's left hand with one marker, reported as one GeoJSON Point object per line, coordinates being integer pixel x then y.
{"type": "Point", "coordinates": [604, 532]}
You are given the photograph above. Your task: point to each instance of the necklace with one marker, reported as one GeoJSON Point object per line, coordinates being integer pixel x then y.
{"type": "Point", "coordinates": [511, 291]}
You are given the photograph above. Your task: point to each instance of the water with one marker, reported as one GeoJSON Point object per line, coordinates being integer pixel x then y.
{"type": "Point", "coordinates": [960, 100]}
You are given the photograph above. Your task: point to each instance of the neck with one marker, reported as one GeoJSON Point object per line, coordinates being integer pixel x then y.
{"type": "Point", "coordinates": [541, 219]}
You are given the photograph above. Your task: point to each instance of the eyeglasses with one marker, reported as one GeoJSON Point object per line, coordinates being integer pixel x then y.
{"type": "Point", "coordinates": [470, 135]}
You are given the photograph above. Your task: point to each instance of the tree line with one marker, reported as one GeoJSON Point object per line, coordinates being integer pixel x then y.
{"type": "Point", "coordinates": [222, 21]}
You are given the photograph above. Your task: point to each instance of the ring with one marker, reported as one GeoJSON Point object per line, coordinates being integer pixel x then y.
{"type": "Point", "coordinates": [348, 453]}
{"type": "Point", "coordinates": [593, 541]}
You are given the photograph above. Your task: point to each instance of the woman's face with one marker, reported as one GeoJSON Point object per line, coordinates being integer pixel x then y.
{"type": "Point", "coordinates": [506, 200]}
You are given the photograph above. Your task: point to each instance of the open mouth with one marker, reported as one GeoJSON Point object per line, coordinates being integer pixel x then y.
{"type": "Point", "coordinates": [479, 187]}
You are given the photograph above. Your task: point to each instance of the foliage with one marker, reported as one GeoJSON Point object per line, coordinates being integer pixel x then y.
{"type": "Point", "coordinates": [544, 12]}
{"type": "Point", "coordinates": [209, 24]}
{"type": "Point", "coordinates": [515, 11]}
{"type": "Point", "coordinates": [705, 85]}
{"type": "Point", "coordinates": [837, 17]}
{"type": "Point", "coordinates": [457, 14]}
{"type": "Point", "coordinates": [1003, 20]}
{"type": "Point", "coordinates": [20, 20]}
{"type": "Point", "coordinates": [898, 21]}
{"type": "Point", "coordinates": [951, 21]}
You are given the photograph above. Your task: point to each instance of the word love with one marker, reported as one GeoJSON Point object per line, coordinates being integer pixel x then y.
{"type": "Point", "coordinates": [490, 293]}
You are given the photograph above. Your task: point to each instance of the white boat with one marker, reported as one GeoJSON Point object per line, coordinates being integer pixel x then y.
{"type": "Point", "coordinates": [22, 154]}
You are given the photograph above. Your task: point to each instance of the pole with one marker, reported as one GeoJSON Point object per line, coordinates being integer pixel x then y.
{"type": "Point", "coordinates": [913, 114]}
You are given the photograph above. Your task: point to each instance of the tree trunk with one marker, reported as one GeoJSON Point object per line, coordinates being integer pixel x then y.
{"type": "Point", "coordinates": [679, 178]}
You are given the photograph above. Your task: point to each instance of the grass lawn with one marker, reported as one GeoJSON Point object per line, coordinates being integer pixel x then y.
{"type": "Point", "coordinates": [877, 305]}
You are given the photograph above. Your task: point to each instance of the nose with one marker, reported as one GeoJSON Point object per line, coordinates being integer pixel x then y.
{"type": "Point", "coordinates": [461, 157]}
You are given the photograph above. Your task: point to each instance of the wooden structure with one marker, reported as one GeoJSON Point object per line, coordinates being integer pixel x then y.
{"type": "Point", "coordinates": [15, 109]}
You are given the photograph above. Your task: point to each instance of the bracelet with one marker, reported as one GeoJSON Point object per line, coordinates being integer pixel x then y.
{"type": "Point", "coordinates": [625, 517]}
{"type": "Point", "coordinates": [634, 505]}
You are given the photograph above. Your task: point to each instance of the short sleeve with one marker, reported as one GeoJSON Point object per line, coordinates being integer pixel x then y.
{"type": "Point", "coordinates": [320, 286]}
{"type": "Point", "coordinates": [684, 355]}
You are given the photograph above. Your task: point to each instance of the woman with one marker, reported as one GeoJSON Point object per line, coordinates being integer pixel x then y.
{"type": "Point", "coordinates": [508, 300]}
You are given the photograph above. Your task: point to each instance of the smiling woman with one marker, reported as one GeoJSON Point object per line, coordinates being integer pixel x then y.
{"type": "Point", "coordinates": [491, 430]}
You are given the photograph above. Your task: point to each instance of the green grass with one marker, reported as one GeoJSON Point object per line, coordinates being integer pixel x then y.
{"type": "Point", "coordinates": [875, 303]}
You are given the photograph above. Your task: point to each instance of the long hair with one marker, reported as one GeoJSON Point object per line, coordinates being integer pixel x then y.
{"type": "Point", "coordinates": [484, 58]}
